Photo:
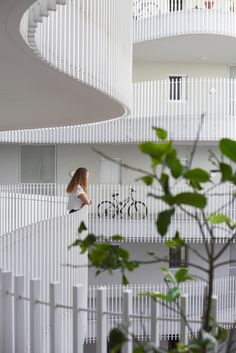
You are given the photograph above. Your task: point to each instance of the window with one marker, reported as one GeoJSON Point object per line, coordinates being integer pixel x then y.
{"type": "Point", "coordinates": [178, 88]}
{"type": "Point", "coordinates": [178, 257]}
{"type": "Point", "coordinates": [110, 172]}
{"type": "Point", "coordinates": [37, 164]}
{"type": "Point", "coordinates": [175, 5]}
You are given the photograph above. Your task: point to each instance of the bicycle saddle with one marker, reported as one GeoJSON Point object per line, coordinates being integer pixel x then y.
{"type": "Point", "coordinates": [114, 195]}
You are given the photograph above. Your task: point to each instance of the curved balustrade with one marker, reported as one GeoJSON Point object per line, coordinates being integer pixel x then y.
{"type": "Point", "coordinates": [40, 250]}
{"type": "Point", "coordinates": [160, 18]}
{"type": "Point", "coordinates": [175, 107]}
{"type": "Point", "coordinates": [86, 40]}
{"type": "Point", "coordinates": [23, 205]}
{"type": "Point", "coordinates": [224, 289]}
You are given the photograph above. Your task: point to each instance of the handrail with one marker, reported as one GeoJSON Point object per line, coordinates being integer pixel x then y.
{"type": "Point", "coordinates": [152, 106]}
{"type": "Point", "coordinates": [85, 40]}
{"type": "Point", "coordinates": [155, 19]}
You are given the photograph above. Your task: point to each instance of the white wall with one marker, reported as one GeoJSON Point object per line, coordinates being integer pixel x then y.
{"type": "Point", "coordinates": [150, 71]}
{"type": "Point", "coordinates": [9, 164]}
{"type": "Point", "coordinates": [152, 273]}
{"type": "Point", "coordinates": [70, 157]}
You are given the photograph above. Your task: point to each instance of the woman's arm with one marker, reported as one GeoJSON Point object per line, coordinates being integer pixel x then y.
{"type": "Point", "coordinates": [83, 197]}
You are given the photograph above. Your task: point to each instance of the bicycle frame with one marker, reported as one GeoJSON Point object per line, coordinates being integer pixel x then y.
{"type": "Point", "coordinates": [122, 204]}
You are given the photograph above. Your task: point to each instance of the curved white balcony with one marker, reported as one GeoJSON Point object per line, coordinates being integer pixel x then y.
{"type": "Point", "coordinates": [176, 108]}
{"type": "Point", "coordinates": [85, 40]}
{"type": "Point", "coordinates": [161, 18]}
{"type": "Point", "coordinates": [27, 204]}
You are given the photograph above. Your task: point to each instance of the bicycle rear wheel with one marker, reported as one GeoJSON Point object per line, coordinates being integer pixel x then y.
{"type": "Point", "coordinates": [106, 209]}
{"type": "Point", "coordinates": [137, 210]}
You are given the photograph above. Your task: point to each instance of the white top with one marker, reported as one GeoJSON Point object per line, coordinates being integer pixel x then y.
{"type": "Point", "coordinates": [74, 202]}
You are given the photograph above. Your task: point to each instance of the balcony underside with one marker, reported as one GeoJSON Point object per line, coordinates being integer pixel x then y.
{"type": "Point", "coordinates": [33, 94]}
{"type": "Point", "coordinates": [188, 48]}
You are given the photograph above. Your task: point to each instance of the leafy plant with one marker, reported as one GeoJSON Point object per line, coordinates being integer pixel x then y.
{"type": "Point", "coordinates": [166, 171]}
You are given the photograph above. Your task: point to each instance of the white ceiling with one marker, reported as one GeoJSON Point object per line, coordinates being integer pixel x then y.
{"type": "Point", "coordinates": [32, 94]}
{"type": "Point", "coordinates": [193, 48]}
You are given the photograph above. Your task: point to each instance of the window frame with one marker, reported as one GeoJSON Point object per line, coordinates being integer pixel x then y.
{"type": "Point", "coordinates": [183, 90]}
{"type": "Point", "coordinates": [179, 263]}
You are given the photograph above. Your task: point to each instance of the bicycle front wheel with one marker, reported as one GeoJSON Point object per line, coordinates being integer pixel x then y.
{"type": "Point", "coordinates": [106, 209]}
{"type": "Point", "coordinates": [137, 210]}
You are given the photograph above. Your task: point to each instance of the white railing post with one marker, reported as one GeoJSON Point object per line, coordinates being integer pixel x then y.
{"type": "Point", "coordinates": [7, 313]}
{"type": "Point", "coordinates": [155, 336]}
{"type": "Point", "coordinates": [35, 317]}
{"type": "Point", "coordinates": [214, 347]}
{"type": "Point", "coordinates": [78, 320]}
{"type": "Point", "coordinates": [183, 326]}
{"type": "Point", "coordinates": [19, 314]}
{"type": "Point", "coordinates": [55, 318]}
{"type": "Point", "coordinates": [127, 312]}
{"type": "Point", "coordinates": [101, 320]}
{"type": "Point", "coordinates": [1, 311]}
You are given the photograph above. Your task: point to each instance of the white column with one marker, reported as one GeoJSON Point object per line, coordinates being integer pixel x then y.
{"type": "Point", "coordinates": [19, 314]}
{"type": "Point", "coordinates": [55, 319]}
{"type": "Point", "coordinates": [127, 312]}
{"type": "Point", "coordinates": [35, 317]}
{"type": "Point", "coordinates": [7, 313]}
{"type": "Point", "coordinates": [78, 319]}
{"type": "Point", "coordinates": [101, 320]}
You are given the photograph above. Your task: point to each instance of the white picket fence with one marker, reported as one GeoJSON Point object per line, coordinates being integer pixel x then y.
{"type": "Point", "coordinates": [21, 309]}
{"type": "Point", "coordinates": [161, 18]}
{"type": "Point", "coordinates": [25, 204]}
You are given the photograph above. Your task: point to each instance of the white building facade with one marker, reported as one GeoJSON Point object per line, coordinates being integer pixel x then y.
{"type": "Point", "coordinates": [164, 64]}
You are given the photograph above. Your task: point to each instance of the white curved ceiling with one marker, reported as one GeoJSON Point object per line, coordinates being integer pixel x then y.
{"type": "Point", "coordinates": [192, 48]}
{"type": "Point", "coordinates": [32, 94]}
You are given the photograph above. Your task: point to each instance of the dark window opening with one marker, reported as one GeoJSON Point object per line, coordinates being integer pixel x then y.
{"type": "Point", "coordinates": [178, 257]}
{"type": "Point", "coordinates": [175, 87]}
{"type": "Point", "coordinates": [175, 5]}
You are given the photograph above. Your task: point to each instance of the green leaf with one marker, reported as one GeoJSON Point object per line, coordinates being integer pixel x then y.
{"type": "Point", "coordinates": [197, 175]}
{"type": "Point", "coordinates": [82, 227]}
{"type": "Point", "coordinates": [174, 164]}
{"type": "Point", "coordinates": [164, 181]}
{"type": "Point", "coordinates": [160, 133]}
{"type": "Point", "coordinates": [124, 280]}
{"type": "Point", "coordinates": [117, 238]}
{"type": "Point", "coordinates": [147, 179]}
{"type": "Point", "coordinates": [226, 172]}
{"type": "Point", "coordinates": [222, 334]}
{"type": "Point", "coordinates": [228, 148]}
{"type": "Point", "coordinates": [169, 276]}
{"type": "Point", "coordinates": [182, 275]}
{"type": "Point", "coordinates": [173, 294]}
{"type": "Point", "coordinates": [217, 219]}
{"type": "Point", "coordinates": [163, 221]}
{"type": "Point", "coordinates": [176, 242]}
{"type": "Point", "coordinates": [191, 199]}
{"type": "Point", "coordinates": [155, 150]}
{"type": "Point", "coordinates": [117, 338]}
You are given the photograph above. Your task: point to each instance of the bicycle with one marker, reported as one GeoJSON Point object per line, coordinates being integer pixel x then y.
{"type": "Point", "coordinates": [137, 210]}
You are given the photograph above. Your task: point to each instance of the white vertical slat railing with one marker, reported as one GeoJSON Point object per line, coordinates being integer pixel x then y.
{"type": "Point", "coordinates": [86, 40]}
{"type": "Point", "coordinates": [113, 211]}
{"type": "Point", "coordinates": [194, 292]}
{"type": "Point", "coordinates": [175, 107]}
{"type": "Point", "coordinates": [40, 250]}
{"type": "Point", "coordinates": [160, 18]}
{"type": "Point", "coordinates": [127, 310]}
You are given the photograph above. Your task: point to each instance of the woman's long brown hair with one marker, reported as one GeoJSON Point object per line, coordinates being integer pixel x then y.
{"type": "Point", "coordinates": [79, 178]}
